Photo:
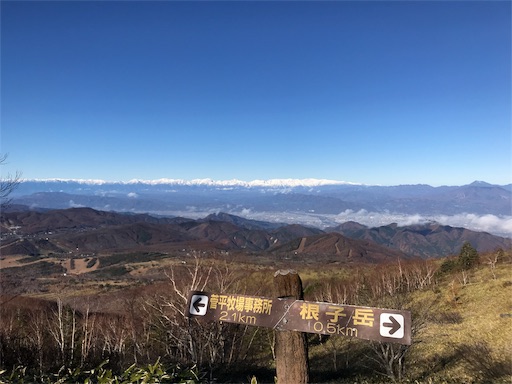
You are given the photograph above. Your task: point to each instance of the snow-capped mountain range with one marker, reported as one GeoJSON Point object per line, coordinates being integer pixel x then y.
{"type": "Point", "coordinates": [316, 202]}
{"type": "Point", "coordinates": [278, 183]}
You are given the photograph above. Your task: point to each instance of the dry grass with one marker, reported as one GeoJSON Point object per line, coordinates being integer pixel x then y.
{"type": "Point", "coordinates": [465, 318]}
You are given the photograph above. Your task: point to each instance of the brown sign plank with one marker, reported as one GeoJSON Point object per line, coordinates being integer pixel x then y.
{"type": "Point", "coordinates": [346, 320]}
{"type": "Point", "coordinates": [305, 316]}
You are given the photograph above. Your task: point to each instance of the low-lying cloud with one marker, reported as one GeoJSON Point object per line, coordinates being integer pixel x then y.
{"type": "Point", "coordinates": [499, 225]}
{"type": "Point", "coordinates": [496, 225]}
{"type": "Point", "coordinates": [486, 223]}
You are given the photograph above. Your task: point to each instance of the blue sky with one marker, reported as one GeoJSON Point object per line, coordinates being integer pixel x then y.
{"type": "Point", "coordinates": [371, 92]}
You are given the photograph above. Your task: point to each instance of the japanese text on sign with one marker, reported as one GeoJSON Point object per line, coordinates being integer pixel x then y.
{"type": "Point", "coordinates": [347, 320]}
{"type": "Point", "coordinates": [232, 308]}
{"type": "Point", "coordinates": [241, 304]}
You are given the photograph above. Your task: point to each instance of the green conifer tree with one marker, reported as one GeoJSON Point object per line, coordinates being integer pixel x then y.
{"type": "Point", "coordinates": [468, 256]}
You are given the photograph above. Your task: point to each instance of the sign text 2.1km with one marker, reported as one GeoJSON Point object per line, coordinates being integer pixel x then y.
{"type": "Point", "coordinates": [305, 316]}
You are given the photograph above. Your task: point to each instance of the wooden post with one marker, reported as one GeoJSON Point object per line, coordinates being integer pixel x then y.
{"type": "Point", "coordinates": [292, 364]}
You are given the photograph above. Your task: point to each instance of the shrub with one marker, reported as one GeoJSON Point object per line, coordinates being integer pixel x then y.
{"type": "Point", "coordinates": [468, 256]}
{"type": "Point", "coordinates": [152, 373]}
{"type": "Point", "coordinates": [448, 266]}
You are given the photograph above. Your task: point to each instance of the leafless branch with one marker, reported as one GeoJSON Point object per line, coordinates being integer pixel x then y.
{"type": "Point", "coordinates": [7, 184]}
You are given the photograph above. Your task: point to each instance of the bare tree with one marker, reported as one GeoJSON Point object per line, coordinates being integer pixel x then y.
{"type": "Point", "coordinates": [168, 312]}
{"type": "Point", "coordinates": [492, 260]}
{"type": "Point", "coordinates": [37, 332]}
{"type": "Point", "coordinates": [88, 333]}
{"type": "Point", "coordinates": [7, 184]}
{"type": "Point", "coordinates": [391, 357]}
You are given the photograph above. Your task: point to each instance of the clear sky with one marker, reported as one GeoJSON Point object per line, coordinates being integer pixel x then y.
{"type": "Point", "coordinates": [371, 92]}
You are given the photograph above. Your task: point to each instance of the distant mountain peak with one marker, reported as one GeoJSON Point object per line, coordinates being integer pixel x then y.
{"type": "Point", "coordinates": [479, 183]}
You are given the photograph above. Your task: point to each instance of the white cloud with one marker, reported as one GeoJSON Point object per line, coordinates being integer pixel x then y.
{"type": "Point", "coordinates": [375, 219]}
{"type": "Point", "coordinates": [500, 225]}
{"type": "Point", "coordinates": [413, 220]}
{"type": "Point", "coordinates": [497, 225]}
{"type": "Point", "coordinates": [133, 195]}
{"type": "Point", "coordinates": [486, 223]}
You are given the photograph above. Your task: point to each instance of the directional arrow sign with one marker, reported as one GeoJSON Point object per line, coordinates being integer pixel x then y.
{"type": "Point", "coordinates": [198, 305]}
{"type": "Point", "coordinates": [347, 320]}
{"type": "Point", "coordinates": [392, 325]}
{"type": "Point", "coordinates": [289, 314]}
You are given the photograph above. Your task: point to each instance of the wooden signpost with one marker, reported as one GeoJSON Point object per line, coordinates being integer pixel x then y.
{"type": "Point", "coordinates": [291, 315]}
{"type": "Point", "coordinates": [291, 348]}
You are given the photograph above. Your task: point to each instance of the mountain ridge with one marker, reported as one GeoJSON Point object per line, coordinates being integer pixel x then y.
{"type": "Point", "coordinates": [423, 239]}
{"type": "Point", "coordinates": [78, 230]}
{"type": "Point", "coordinates": [478, 206]}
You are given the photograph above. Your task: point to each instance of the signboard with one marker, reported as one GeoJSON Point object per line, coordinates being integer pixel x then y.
{"type": "Point", "coordinates": [347, 320]}
{"type": "Point", "coordinates": [304, 316]}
